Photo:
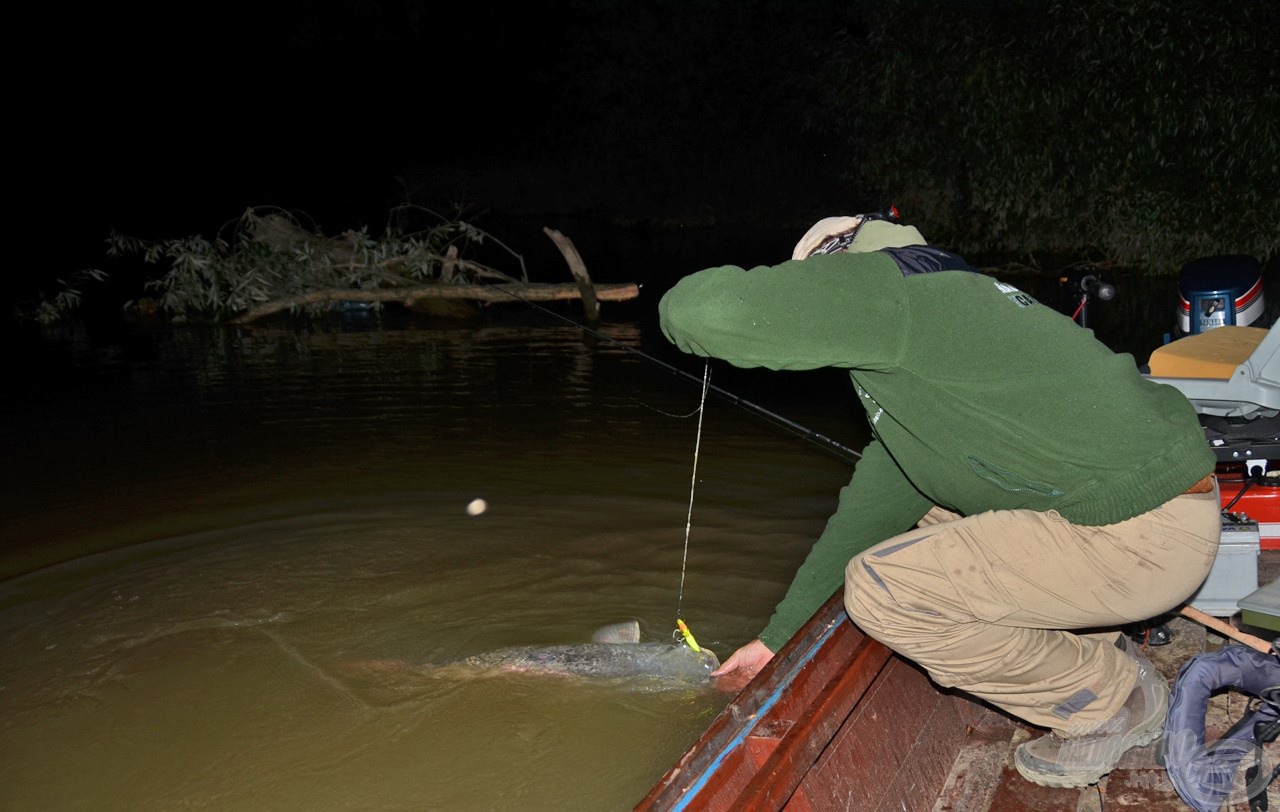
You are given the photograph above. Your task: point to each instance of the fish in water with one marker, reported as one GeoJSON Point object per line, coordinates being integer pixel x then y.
{"type": "Point", "coordinates": [614, 651]}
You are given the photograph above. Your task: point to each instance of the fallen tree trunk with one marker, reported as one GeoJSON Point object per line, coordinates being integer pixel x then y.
{"type": "Point", "coordinates": [509, 292]}
{"type": "Point", "coordinates": [578, 268]}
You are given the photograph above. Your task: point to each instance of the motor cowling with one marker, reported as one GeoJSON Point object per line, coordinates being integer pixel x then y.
{"type": "Point", "coordinates": [1218, 291]}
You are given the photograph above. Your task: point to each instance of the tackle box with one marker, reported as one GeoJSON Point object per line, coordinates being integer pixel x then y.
{"type": "Point", "coordinates": [1234, 574]}
{"type": "Point", "coordinates": [1261, 608]}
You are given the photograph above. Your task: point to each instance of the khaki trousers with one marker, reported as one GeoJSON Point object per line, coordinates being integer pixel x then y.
{"type": "Point", "coordinates": [1010, 606]}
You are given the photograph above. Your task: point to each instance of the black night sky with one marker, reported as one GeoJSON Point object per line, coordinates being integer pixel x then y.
{"type": "Point", "coordinates": [169, 121]}
{"type": "Point", "coordinates": [166, 121]}
{"type": "Point", "coordinates": [176, 120]}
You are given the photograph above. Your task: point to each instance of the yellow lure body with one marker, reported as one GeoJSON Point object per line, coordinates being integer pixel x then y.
{"type": "Point", "coordinates": [688, 635]}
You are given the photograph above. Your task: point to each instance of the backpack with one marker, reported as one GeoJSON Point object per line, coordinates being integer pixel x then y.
{"type": "Point", "coordinates": [1203, 772]}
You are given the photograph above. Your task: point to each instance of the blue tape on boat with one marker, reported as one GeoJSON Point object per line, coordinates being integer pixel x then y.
{"type": "Point", "coordinates": [772, 700]}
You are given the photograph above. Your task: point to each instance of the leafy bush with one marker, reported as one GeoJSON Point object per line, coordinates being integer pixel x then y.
{"type": "Point", "coordinates": [268, 256]}
{"type": "Point", "coordinates": [63, 304]}
{"type": "Point", "coordinates": [1142, 130]}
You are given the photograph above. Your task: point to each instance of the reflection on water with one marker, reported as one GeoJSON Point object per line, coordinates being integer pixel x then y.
{"type": "Point", "coordinates": [206, 529]}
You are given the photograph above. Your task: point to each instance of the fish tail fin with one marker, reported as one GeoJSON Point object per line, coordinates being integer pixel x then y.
{"type": "Point", "coordinates": [626, 632]}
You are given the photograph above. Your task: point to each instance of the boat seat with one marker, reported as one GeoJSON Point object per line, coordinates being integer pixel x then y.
{"type": "Point", "coordinates": [1231, 371]}
{"type": "Point", "coordinates": [1231, 375]}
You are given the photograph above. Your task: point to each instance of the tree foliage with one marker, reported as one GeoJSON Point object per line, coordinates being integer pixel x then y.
{"type": "Point", "coordinates": [1145, 131]}
{"type": "Point", "coordinates": [266, 255]}
{"type": "Point", "coordinates": [682, 113]}
{"type": "Point", "coordinates": [51, 308]}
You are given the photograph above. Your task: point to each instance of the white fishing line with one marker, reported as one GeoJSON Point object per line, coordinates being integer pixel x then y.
{"type": "Point", "coordinates": [843, 451]}
{"type": "Point", "coordinates": [693, 484]}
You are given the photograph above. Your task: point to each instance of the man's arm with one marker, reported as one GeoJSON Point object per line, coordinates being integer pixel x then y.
{"type": "Point", "coordinates": [845, 310]}
{"type": "Point", "coordinates": [879, 502]}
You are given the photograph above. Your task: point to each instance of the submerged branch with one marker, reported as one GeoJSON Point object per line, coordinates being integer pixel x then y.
{"type": "Point", "coordinates": [511, 292]}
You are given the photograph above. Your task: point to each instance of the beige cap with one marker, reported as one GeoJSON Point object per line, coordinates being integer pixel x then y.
{"type": "Point", "coordinates": [824, 230]}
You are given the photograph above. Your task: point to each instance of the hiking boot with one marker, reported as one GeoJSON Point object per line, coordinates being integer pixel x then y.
{"type": "Point", "coordinates": [1084, 752]}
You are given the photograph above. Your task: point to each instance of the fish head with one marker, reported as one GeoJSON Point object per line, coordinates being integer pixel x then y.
{"type": "Point", "coordinates": [682, 661]}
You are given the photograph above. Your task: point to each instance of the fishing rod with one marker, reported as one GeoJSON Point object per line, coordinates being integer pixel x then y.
{"type": "Point", "coordinates": [840, 450]}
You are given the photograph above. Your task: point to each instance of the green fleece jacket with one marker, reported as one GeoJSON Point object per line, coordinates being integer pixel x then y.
{"type": "Point", "coordinates": [979, 397]}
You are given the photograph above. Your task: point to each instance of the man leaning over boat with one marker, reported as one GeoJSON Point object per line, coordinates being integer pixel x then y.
{"type": "Point", "coordinates": [1026, 491]}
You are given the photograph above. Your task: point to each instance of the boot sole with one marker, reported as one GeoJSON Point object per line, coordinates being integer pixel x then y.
{"type": "Point", "coordinates": [1143, 734]}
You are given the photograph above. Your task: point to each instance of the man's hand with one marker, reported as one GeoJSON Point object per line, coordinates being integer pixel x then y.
{"type": "Point", "coordinates": [742, 665]}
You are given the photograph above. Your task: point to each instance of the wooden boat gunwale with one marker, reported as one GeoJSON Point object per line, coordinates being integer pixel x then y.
{"type": "Point", "coordinates": [809, 725]}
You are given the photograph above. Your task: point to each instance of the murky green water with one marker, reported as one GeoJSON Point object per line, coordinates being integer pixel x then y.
{"type": "Point", "coordinates": [214, 542]}
{"type": "Point", "coordinates": [228, 528]}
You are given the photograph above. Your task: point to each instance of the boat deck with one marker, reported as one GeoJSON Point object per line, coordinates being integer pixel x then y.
{"type": "Point", "coordinates": [838, 722]}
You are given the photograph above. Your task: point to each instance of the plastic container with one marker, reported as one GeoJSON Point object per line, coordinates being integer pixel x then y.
{"type": "Point", "coordinates": [1235, 570]}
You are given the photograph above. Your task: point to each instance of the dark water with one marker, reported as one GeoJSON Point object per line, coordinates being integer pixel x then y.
{"type": "Point", "coordinates": [221, 530]}
{"type": "Point", "coordinates": [209, 535]}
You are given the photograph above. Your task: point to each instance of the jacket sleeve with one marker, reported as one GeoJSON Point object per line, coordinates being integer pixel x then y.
{"type": "Point", "coordinates": [878, 503]}
{"type": "Point", "coordinates": [843, 310]}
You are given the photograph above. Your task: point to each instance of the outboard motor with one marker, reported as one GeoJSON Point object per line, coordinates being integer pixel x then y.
{"type": "Point", "coordinates": [1218, 291]}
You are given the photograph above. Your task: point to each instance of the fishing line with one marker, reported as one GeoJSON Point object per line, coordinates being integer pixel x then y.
{"type": "Point", "coordinates": [693, 484]}
{"type": "Point", "coordinates": [830, 445]}
{"type": "Point", "coordinates": [840, 450]}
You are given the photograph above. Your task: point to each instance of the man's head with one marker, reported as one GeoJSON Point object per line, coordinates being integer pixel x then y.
{"type": "Point", "coordinates": [832, 234]}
